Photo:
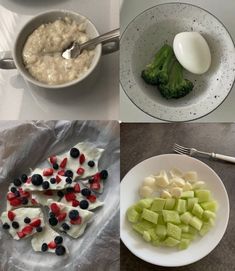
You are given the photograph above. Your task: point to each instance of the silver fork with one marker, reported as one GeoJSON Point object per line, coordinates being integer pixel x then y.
{"type": "Point", "coordinates": [191, 152]}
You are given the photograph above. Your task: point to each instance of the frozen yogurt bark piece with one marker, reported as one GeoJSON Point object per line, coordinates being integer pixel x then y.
{"type": "Point", "coordinates": [23, 222]}
{"type": "Point", "coordinates": [68, 219]}
{"type": "Point", "coordinates": [41, 197]}
{"type": "Point", "coordinates": [82, 197]}
{"type": "Point", "coordinates": [49, 241]}
{"type": "Point", "coordinates": [82, 160]}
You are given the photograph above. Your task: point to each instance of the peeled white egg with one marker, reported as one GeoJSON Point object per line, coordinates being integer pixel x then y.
{"type": "Point", "coordinates": [192, 51]}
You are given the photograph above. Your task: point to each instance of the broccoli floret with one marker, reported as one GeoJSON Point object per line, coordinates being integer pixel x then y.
{"type": "Point", "coordinates": [177, 86]}
{"type": "Point", "coordinates": [157, 71]}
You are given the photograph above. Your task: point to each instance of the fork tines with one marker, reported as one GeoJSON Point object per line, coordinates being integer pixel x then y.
{"type": "Point", "coordinates": [181, 150]}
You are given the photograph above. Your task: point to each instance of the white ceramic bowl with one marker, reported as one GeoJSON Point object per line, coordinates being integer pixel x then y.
{"type": "Point", "coordinates": [147, 33]}
{"type": "Point", "coordinates": [201, 246]}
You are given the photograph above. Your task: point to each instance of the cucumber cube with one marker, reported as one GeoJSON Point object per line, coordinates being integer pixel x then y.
{"type": "Point", "coordinates": [204, 229]}
{"type": "Point", "coordinates": [197, 210]}
{"type": "Point", "coordinates": [138, 209]}
{"type": "Point", "coordinates": [189, 236]}
{"type": "Point", "coordinates": [192, 230]}
{"type": "Point", "coordinates": [207, 214]}
{"type": "Point", "coordinates": [171, 242]}
{"type": "Point", "coordinates": [144, 203]}
{"type": "Point", "coordinates": [171, 216]}
{"type": "Point", "coordinates": [150, 216]}
{"type": "Point", "coordinates": [184, 243]}
{"type": "Point", "coordinates": [132, 215]}
{"type": "Point", "coordinates": [180, 206]}
{"type": "Point", "coordinates": [196, 223]}
{"type": "Point", "coordinates": [161, 231]}
{"type": "Point", "coordinates": [169, 204]}
{"type": "Point", "coordinates": [173, 231]}
{"type": "Point", "coordinates": [203, 195]}
{"type": "Point", "coordinates": [210, 205]}
{"type": "Point", "coordinates": [160, 219]}
{"type": "Point", "coordinates": [187, 194]}
{"type": "Point", "coordinates": [186, 217]}
{"type": "Point", "coordinates": [191, 202]}
{"type": "Point", "coordinates": [146, 236]}
{"type": "Point", "coordinates": [184, 228]}
{"type": "Point", "coordinates": [142, 226]}
{"type": "Point", "coordinates": [156, 242]}
{"type": "Point", "coordinates": [158, 204]}
{"type": "Point", "coordinates": [153, 234]}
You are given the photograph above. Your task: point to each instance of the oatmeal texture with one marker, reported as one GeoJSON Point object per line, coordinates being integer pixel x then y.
{"type": "Point", "coordinates": [42, 52]}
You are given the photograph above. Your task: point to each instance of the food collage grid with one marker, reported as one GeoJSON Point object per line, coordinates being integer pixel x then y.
{"type": "Point", "coordinates": [117, 135]}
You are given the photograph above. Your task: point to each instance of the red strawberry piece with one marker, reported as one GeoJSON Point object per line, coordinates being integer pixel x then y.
{"type": "Point", "coordinates": [35, 223]}
{"type": "Point", "coordinates": [27, 229]}
{"type": "Point", "coordinates": [61, 216]}
{"type": "Point", "coordinates": [11, 196]}
{"type": "Point", "coordinates": [15, 202]}
{"type": "Point", "coordinates": [47, 172]}
{"type": "Point", "coordinates": [96, 177]}
{"type": "Point", "coordinates": [61, 172]}
{"type": "Point", "coordinates": [52, 245]}
{"type": "Point", "coordinates": [34, 202]}
{"type": "Point", "coordinates": [82, 159]}
{"type": "Point", "coordinates": [48, 193]}
{"type": "Point", "coordinates": [77, 188]}
{"type": "Point", "coordinates": [55, 208]}
{"type": "Point", "coordinates": [58, 179]}
{"type": "Point", "coordinates": [53, 160]}
{"type": "Point", "coordinates": [29, 180]}
{"type": "Point", "coordinates": [20, 189]}
{"type": "Point", "coordinates": [21, 234]}
{"type": "Point", "coordinates": [78, 221]}
{"type": "Point", "coordinates": [70, 196]}
{"type": "Point", "coordinates": [63, 163]}
{"type": "Point", "coordinates": [75, 203]}
{"type": "Point", "coordinates": [11, 215]}
{"type": "Point", "coordinates": [92, 198]}
{"type": "Point", "coordinates": [24, 194]}
{"type": "Point", "coordinates": [80, 171]}
{"type": "Point", "coordinates": [95, 186]}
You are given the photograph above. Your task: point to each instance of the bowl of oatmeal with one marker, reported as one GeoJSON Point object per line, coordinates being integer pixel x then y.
{"type": "Point", "coordinates": [39, 44]}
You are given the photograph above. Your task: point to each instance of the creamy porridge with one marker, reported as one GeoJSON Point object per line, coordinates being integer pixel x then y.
{"type": "Point", "coordinates": [42, 52]}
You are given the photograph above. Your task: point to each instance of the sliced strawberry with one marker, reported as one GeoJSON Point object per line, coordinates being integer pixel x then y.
{"type": "Point", "coordinates": [48, 172]}
{"type": "Point", "coordinates": [34, 202]}
{"type": "Point", "coordinates": [70, 196]}
{"type": "Point", "coordinates": [35, 223]}
{"type": "Point", "coordinates": [29, 180]}
{"type": "Point", "coordinates": [24, 194]}
{"type": "Point", "coordinates": [52, 245]}
{"type": "Point", "coordinates": [92, 198]}
{"type": "Point", "coordinates": [58, 179]}
{"type": "Point", "coordinates": [75, 203]}
{"type": "Point", "coordinates": [82, 159]}
{"type": "Point", "coordinates": [61, 172]}
{"type": "Point", "coordinates": [96, 177]}
{"type": "Point", "coordinates": [27, 229]}
{"type": "Point", "coordinates": [15, 202]}
{"type": "Point", "coordinates": [11, 196]}
{"type": "Point", "coordinates": [77, 188]}
{"type": "Point", "coordinates": [61, 216]}
{"type": "Point", "coordinates": [78, 221]}
{"type": "Point", "coordinates": [63, 163]}
{"type": "Point", "coordinates": [55, 208]}
{"type": "Point", "coordinates": [53, 160]}
{"type": "Point", "coordinates": [11, 215]}
{"type": "Point", "coordinates": [80, 171]}
{"type": "Point", "coordinates": [95, 186]}
{"type": "Point", "coordinates": [21, 234]}
{"type": "Point", "coordinates": [48, 193]}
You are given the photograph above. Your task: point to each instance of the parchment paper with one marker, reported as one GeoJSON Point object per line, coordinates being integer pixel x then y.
{"type": "Point", "coordinates": [24, 145]}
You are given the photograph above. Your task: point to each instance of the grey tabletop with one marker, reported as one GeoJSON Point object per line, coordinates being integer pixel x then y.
{"type": "Point", "coordinates": [141, 141]}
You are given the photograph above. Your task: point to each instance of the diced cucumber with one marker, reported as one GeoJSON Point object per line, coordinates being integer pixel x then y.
{"type": "Point", "coordinates": [158, 204]}
{"type": "Point", "coordinates": [144, 203]}
{"type": "Point", "coordinates": [156, 242]}
{"type": "Point", "coordinates": [187, 194]}
{"type": "Point", "coordinates": [184, 228]}
{"type": "Point", "coordinates": [197, 210]}
{"type": "Point", "coordinates": [171, 216]}
{"type": "Point", "coordinates": [196, 223]}
{"type": "Point", "coordinates": [161, 231]}
{"type": "Point", "coordinates": [191, 202]}
{"type": "Point", "coordinates": [173, 231]}
{"type": "Point", "coordinates": [184, 243]}
{"type": "Point", "coordinates": [169, 204]}
{"type": "Point", "coordinates": [188, 236]}
{"type": "Point", "coordinates": [160, 219]}
{"type": "Point", "coordinates": [207, 214]}
{"type": "Point", "coordinates": [138, 209]}
{"type": "Point", "coordinates": [186, 217]}
{"type": "Point", "coordinates": [203, 195]}
{"type": "Point", "coordinates": [192, 230]}
{"type": "Point", "coordinates": [180, 206]}
{"type": "Point", "coordinates": [146, 236]}
{"type": "Point", "coordinates": [171, 242]}
{"type": "Point", "coordinates": [132, 215]}
{"type": "Point", "coordinates": [153, 234]}
{"type": "Point", "coordinates": [210, 205]}
{"type": "Point", "coordinates": [150, 216]}
{"type": "Point", "coordinates": [142, 226]}
{"type": "Point", "coordinates": [204, 229]}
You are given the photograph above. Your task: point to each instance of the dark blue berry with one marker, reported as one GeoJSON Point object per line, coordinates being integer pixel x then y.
{"type": "Point", "coordinates": [58, 240]}
{"type": "Point", "coordinates": [104, 174]}
{"type": "Point", "coordinates": [53, 221]}
{"type": "Point", "coordinates": [44, 247]}
{"type": "Point", "coordinates": [24, 178]}
{"type": "Point", "coordinates": [86, 192]}
{"type": "Point", "coordinates": [17, 193]}
{"type": "Point", "coordinates": [37, 179]}
{"type": "Point", "coordinates": [60, 250]}
{"type": "Point", "coordinates": [65, 226]}
{"type": "Point", "coordinates": [74, 152]}
{"type": "Point", "coordinates": [45, 185]}
{"type": "Point", "coordinates": [91, 181]}
{"type": "Point", "coordinates": [51, 214]}
{"type": "Point", "coordinates": [6, 226]}
{"type": "Point", "coordinates": [53, 180]}
{"type": "Point", "coordinates": [60, 194]}
{"type": "Point", "coordinates": [73, 215]}
{"type": "Point", "coordinates": [24, 201]}
{"type": "Point", "coordinates": [68, 173]}
{"type": "Point", "coordinates": [68, 180]}
{"type": "Point", "coordinates": [27, 220]}
{"type": "Point", "coordinates": [39, 229]}
{"type": "Point", "coordinates": [13, 189]}
{"type": "Point", "coordinates": [55, 166]}
{"type": "Point", "coordinates": [91, 163]}
{"type": "Point", "coordinates": [69, 189]}
{"type": "Point", "coordinates": [84, 204]}
{"type": "Point", "coordinates": [15, 225]}
{"type": "Point", "coordinates": [17, 182]}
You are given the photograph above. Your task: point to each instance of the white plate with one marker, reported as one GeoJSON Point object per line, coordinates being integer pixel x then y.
{"type": "Point", "coordinates": [146, 34]}
{"type": "Point", "coordinates": [200, 247]}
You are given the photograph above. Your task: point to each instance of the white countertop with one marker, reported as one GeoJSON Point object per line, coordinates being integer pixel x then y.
{"type": "Point", "coordinates": [96, 99]}
{"type": "Point", "coordinates": [224, 10]}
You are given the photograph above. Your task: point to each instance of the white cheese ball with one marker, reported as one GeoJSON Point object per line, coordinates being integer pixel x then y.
{"type": "Point", "coordinates": [176, 192]}
{"type": "Point", "coordinates": [165, 194]}
{"type": "Point", "coordinates": [162, 179]}
{"type": "Point", "coordinates": [149, 181]}
{"type": "Point", "coordinates": [145, 191]}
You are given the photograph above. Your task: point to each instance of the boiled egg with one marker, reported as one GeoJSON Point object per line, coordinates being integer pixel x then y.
{"type": "Point", "coordinates": [192, 51]}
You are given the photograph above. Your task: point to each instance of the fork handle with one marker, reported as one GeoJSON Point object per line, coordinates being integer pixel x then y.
{"type": "Point", "coordinates": [223, 157]}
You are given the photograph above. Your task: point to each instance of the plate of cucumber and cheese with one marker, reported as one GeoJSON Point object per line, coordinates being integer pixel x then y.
{"type": "Point", "coordinates": [174, 210]}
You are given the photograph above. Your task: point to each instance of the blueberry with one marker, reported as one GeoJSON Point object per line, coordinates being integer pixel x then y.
{"type": "Point", "coordinates": [84, 204]}
{"type": "Point", "coordinates": [45, 185]}
{"type": "Point", "coordinates": [27, 220]}
{"type": "Point", "coordinates": [91, 163]}
{"type": "Point", "coordinates": [60, 194]}
{"type": "Point", "coordinates": [74, 152]}
{"type": "Point", "coordinates": [39, 229]}
{"type": "Point", "coordinates": [68, 180]}
{"type": "Point", "coordinates": [60, 250]}
{"type": "Point", "coordinates": [51, 214]}
{"type": "Point", "coordinates": [73, 215]}
{"type": "Point", "coordinates": [24, 201]}
{"type": "Point", "coordinates": [86, 192]}
{"type": "Point", "coordinates": [15, 225]}
{"type": "Point", "coordinates": [104, 174]}
{"type": "Point", "coordinates": [68, 173]}
{"type": "Point", "coordinates": [58, 240]}
{"type": "Point", "coordinates": [53, 221]}
{"type": "Point", "coordinates": [17, 193]}
{"type": "Point", "coordinates": [91, 181]}
{"type": "Point", "coordinates": [37, 179]}
{"type": "Point", "coordinates": [44, 247]}
{"type": "Point", "coordinates": [17, 182]}
{"type": "Point", "coordinates": [53, 180]}
{"type": "Point", "coordinates": [6, 226]}
{"type": "Point", "coordinates": [13, 189]}
{"type": "Point", "coordinates": [24, 178]}
{"type": "Point", "coordinates": [69, 189]}
{"type": "Point", "coordinates": [65, 226]}
{"type": "Point", "coordinates": [55, 166]}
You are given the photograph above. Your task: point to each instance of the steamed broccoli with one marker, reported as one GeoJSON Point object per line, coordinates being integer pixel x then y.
{"type": "Point", "coordinates": [157, 71]}
{"type": "Point", "coordinates": [177, 86]}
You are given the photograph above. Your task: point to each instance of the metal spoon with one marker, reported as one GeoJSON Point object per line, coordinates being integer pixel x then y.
{"type": "Point", "coordinates": [75, 49]}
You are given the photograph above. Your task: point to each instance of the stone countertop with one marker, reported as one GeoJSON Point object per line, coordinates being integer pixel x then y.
{"type": "Point", "coordinates": [141, 141]}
